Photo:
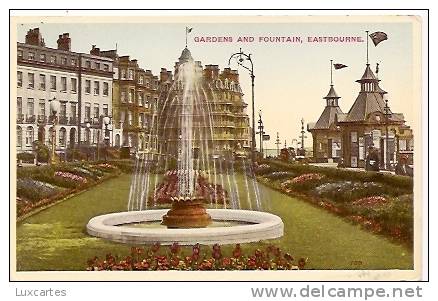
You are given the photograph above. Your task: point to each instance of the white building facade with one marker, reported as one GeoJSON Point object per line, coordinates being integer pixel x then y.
{"type": "Point", "coordinates": [82, 83]}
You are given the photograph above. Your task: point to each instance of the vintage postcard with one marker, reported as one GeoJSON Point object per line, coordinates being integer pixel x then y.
{"type": "Point", "coordinates": [216, 148]}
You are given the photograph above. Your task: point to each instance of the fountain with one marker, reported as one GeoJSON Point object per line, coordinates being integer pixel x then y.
{"type": "Point", "coordinates": [184, 167]}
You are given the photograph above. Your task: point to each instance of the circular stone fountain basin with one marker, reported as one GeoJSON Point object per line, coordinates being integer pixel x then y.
{"type": "Point", "coordinates": [239, 226]}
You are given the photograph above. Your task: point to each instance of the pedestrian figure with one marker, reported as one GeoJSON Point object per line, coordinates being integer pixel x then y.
{"type": "Point", "coordinates": [372, 161]}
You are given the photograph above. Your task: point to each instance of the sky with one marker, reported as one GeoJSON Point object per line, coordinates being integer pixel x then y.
{"type": "Point", "coordinates": [291, 79]}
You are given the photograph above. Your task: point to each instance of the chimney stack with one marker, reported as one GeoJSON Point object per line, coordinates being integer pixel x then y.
{"type": "Point", "coordinates": [34, 37]}
{"type": "Point", "coordinates": [95, 50]}
{"type": "Point", "coordinates": [64, 42]}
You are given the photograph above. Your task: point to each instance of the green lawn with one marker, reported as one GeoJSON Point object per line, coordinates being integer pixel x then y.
{"type": "Point", "coordinates": [55, 239]}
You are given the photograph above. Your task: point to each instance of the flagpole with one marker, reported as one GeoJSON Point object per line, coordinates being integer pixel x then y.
{"type": "Point", "coordinates": [186, 36]}
{"type": "Point", "coordinates": [367, 46]}
{"type": "Point", "coordinates": [331, 72]}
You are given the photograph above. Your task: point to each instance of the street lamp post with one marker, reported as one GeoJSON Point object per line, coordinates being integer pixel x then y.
{"type": "Point", "coordinates": [241, 57]}
{"type": "Point", "coordinates": [261, 132]}
{"type": "Point", "coordinates": [87, 137]}
{"type": "Point", "coordinates": [106, 122]}
{"type": "Point", "coordinates": [54, 109]}
{"type": "Point", "coordinates": [387, 114]}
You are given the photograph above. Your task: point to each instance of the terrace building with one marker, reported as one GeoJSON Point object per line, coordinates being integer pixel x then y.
{"type": "Point", "coordinates": [135, 101]}
{"type": "Point", "coordinates": [81, 82]}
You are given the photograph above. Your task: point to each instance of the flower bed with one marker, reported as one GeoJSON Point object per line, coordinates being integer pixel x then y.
{"type": "Point", "coordinates": [303, 182]}
{"type": "Point", "coordinates": [376, 205]}
{"type": "Point", "coordinates": [71, 177]}
{"type": "Point", "coordinates": [33, 190]}
{"type": "Point", "coordinates": [43, 185]}
{"type": "Point", "coordinates": [279, 175]}
{"type": "Point", "coordinates": [152, 259]}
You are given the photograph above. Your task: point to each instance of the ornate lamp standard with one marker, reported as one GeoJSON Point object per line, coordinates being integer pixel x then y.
{"type": "Point", "coordinates": [106, 121]}
{"type": "Point", "coordinates": [240, 58]}
{"type": "Point", "coordinates": [54, 109]}
{"type": "Point", "coordinates": [387, 115]}
{"type": "Point", "coordinates": [87, 138]}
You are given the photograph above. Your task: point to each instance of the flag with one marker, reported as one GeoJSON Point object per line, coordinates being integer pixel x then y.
{"type": "Point", "coordinates": [339, 66]}
{"type": "Point", "coordinates": [378, 37]}
{"type": "Point", "coordinates": [189, 30]}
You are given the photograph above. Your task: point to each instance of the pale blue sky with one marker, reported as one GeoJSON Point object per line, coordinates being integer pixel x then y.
{"type": "Point", "coordinates": [291, 79]}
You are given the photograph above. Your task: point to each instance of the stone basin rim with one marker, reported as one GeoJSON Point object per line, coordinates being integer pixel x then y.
{"type": "Point", "coordinates": [262, 226]}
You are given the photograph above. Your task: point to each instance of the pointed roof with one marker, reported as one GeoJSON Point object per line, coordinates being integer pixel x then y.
{"type": "Point", "coordinates": [327, 118]}
{"type": "Point", "coordinates": [368, 101]}
{"type": "Point", "coordinates": [332, 94]}
{"type": "Point", "coordinates": [368, 75]}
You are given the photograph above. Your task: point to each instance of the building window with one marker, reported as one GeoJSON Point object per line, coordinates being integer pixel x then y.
{"type": "Point", "coordinates": [63, 109]}
{"type": "Point", "coordinates": [62, 136]}
{"type": "Point", "coordinates": [88, 64]}
{"type": "Point", "coordinates": [63, 84]}
{"type": "Point", "coordinates": [53, 59]}
{"type": "Point", "coordinates": [64, 60]}
{"type": "Point", "coordinates": [97, 66]}
{"type": "Point", "coordinates": [73, 62]}
{"type": "Point", "coordinates": [87, 111]}
{"type": "Point", "coordinates": [140, 99]}
{"type": "Point", "coordinates": [148, 99]}
{"type": "Point", "coordinates": [123, 74]}
{"type": "Point", "coordinates": [105, 67]}
{"type": "Point", "coordinates": [19, 136]}
{"type": "Point", "coordinates": [131, 74]}
{"type": "Point", "coordinates": [73, 111]}
{"type": "Point", "coordinates": [96, 88]}
{"type": "Point", "coordinates": [96, 110]}
{"type": "Point", "coordinates": [42, 109]}
{"type": "Point", "coordinates": [31, 80]}
{"type": "Point", "coordinates": [87, 86]}
{"type": "Point", "coordinates": [20, 53]}
{"type": "Point", "coordinates": [105, 110]}
{"type": "Point", "coordinates": [105, 89]}
{"type": "Point", "coordinates": [52, 82]}
{"type": "Point", "coordinates": [19, 108]}
{"type": "Point", "coordinates": [129, 117]}
{"type": "Point", "coordinates": [29, 136]}
{"type": "Point", "coordinates": [131, 96]}
{"type": "Point", "coordinates": [140, 119]}
{"type": "Point", "coordinates": [74, 85]}
{"type": "Point", "coordinates": [42, 57]}
{"type": "Point", "coordinates": [19, 79]}
{"type": "Point", "coordinates": [123, 96]}
{"type": "Point", "coordinates": [31, 56]}
{"type": "Point", "coordinates": [42, 82]}
{"type": "Point", "coordinates": [141, 79]}
{"type": "Point", "coordinates": [30, 107]}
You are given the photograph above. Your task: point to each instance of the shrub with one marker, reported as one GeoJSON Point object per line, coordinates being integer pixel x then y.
{"type": "Point", "coordinates": [26, 157]}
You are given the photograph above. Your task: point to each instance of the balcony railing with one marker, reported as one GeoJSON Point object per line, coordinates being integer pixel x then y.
{"type": "Point", "coordinates": [30, 118]}
{"type": "Point", "coordinates": [20, 118]}
{"type": "Point", "coordinates": [73, 121]}
{"type": "Point", "coordinates": [42, 119]}
{"type": "Point", "coordinates": [63, 120]}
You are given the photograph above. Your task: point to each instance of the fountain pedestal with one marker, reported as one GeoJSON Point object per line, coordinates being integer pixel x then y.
{"type": "Point", "coordinates": [187, 214]}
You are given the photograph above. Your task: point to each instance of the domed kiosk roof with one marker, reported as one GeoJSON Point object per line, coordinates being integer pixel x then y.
{"type": "Point", "coordinates": [186, 56]}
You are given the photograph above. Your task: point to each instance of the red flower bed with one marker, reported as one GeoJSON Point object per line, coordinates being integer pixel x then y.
{"type": "Point", "coordinates": [168, 189]}
{"type": "Point", "coordinates": [371, 201]}
{"type": "Point", "coordinates": [152, 260]}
